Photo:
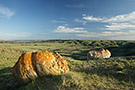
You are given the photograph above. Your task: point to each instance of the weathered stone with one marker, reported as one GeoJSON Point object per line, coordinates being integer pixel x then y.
{"type": "Point", "coordinates": [33, 64]}
{"type": "Point", "coordinates": [101, 53]}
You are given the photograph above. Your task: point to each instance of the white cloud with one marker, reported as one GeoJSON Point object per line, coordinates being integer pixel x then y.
{"type": "Point", "coordinates": [119, 22]}
{"type": "Point", "coordinates": [122, 18]}
{"type": "Point", "coordinates": [91, 18]}
{"type": "Point", "coordinates": [120, 26]}
{"type": "Point", "coordinates": [119, 18]}
{"type": "Point", "coordinates": [75, 6]}
{"type": "Point", "coordinates": [4, 11]}
{"type": "Point", "coordinates": [64, 29]}
{"type": "Point", "coordinates": [130, 35]}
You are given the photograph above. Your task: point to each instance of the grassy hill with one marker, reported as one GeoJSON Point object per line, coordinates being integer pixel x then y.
{"type": "Point", "coordinates": [99, 74]}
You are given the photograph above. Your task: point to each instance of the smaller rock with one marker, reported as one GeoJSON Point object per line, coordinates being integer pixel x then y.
{"type": "Point", "coordinates": [101, 53]}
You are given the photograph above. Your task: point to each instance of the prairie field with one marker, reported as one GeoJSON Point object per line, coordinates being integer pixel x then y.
{"type": "Point", "coordinates": [115, 73]}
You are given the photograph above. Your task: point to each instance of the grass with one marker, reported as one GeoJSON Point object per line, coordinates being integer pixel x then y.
{"type": "Point", "coordinates": [99, 74]}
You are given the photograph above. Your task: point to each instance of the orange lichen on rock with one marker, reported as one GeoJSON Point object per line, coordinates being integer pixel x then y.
{"type": "Point", "coordinates": [24, 69]}
{"type": "Point", "coordinates": [33, 64]}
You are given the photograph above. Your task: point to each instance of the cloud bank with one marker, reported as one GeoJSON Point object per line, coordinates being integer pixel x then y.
{"type": "Point", "coordinates": [64, 29]}
{"type": "Point", "coordinates": [118, 18]}
{"type": "Point", "coordinates": [129, 35]}
{"type": "Point", "coordinates": [120, 27]}
{"type": "Point", "coordinates": [119, 22]}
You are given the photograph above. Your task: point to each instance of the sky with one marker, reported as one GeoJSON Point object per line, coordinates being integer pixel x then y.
{"type": "Point", "coordinates": [67, 19]}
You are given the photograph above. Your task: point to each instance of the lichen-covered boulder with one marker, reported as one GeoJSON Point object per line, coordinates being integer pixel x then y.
{"type": "Point", "coordinates": [33, 64]}
{"type": "Point", "coordinates": [101, 53]}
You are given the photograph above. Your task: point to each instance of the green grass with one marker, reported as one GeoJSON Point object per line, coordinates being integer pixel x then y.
{"type": "Point", "coordinates": [98, 74]}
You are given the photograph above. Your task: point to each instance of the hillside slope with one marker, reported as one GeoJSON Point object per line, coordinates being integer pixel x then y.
{"type": "Point", "coordinates": [98, 74]}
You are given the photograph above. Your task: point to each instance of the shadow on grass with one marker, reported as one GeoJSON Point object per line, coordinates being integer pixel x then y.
{"type": "Point", "coordinates": [123, 50]}
{"type": "Point", "coordinates": [7, 82]}
{"type": "Point", "coordinates": [50, 82]}
{"type": "Point", "coordinates": [6, 79]}
{"type": "Point", "coordinates": [116, 71]}
{"type": "Point", "coordinates": [80, 56]}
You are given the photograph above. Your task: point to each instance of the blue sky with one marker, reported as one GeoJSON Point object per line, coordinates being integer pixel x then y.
{"type": "Point", "coordinates": [67, 19]}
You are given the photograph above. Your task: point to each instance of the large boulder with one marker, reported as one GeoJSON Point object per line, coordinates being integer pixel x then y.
{"type": "Point", "coordinates": [101, 53]}
{"type": "Point", "coordinates": [33, 64]}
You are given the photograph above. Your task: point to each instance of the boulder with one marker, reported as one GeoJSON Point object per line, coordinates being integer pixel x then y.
{"type": "Point", "coordinates": [33, 64]}
{"type": "Point", "coordinates": [101, 53]}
